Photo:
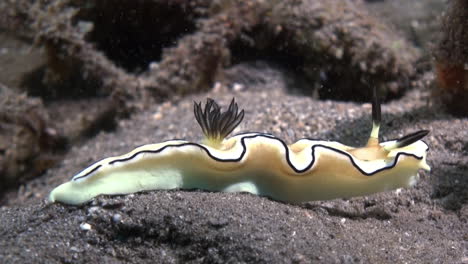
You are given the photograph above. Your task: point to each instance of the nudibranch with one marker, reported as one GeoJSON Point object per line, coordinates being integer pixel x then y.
{"type": "Point", "coordinates": [258, 163]}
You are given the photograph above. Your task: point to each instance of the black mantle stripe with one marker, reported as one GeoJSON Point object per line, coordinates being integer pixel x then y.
{"type": "Point", "coordinates": [244, 150]}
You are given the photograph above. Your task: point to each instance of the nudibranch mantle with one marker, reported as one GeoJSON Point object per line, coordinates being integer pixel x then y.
{"type": "Point", "coordinates": [305, 171]}
{"type": "Point", "coordinates": [257, 163]}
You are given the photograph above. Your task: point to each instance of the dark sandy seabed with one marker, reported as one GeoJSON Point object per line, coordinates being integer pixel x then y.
{"type": "Point", "coordinates": [424, 224]}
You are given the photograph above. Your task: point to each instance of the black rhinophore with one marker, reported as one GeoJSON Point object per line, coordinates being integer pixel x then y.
{"type": "Point", "coordinates": [411, 138]}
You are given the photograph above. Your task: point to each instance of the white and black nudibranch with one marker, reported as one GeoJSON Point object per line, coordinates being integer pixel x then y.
{"type": "Point", "coordinates": [257, 163]}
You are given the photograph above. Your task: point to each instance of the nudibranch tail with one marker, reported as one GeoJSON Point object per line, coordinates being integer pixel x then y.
{"type": "Point", "coordinates": [217, 125]}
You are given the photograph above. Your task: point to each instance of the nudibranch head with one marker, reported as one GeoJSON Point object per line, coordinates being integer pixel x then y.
{"type": "Point", "coordinates": [216, 125]}
{"type": "Point", "coordinates": [374, 149]}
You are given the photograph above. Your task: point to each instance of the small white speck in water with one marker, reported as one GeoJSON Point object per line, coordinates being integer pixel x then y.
{"type": "Point", "coordinates": [116, 218]}
{"type": "Point", "coordinates": [85, 226]}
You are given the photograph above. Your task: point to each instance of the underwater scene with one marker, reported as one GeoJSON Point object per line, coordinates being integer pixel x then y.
{"type": "Point", "coordinates": [233, 131]}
